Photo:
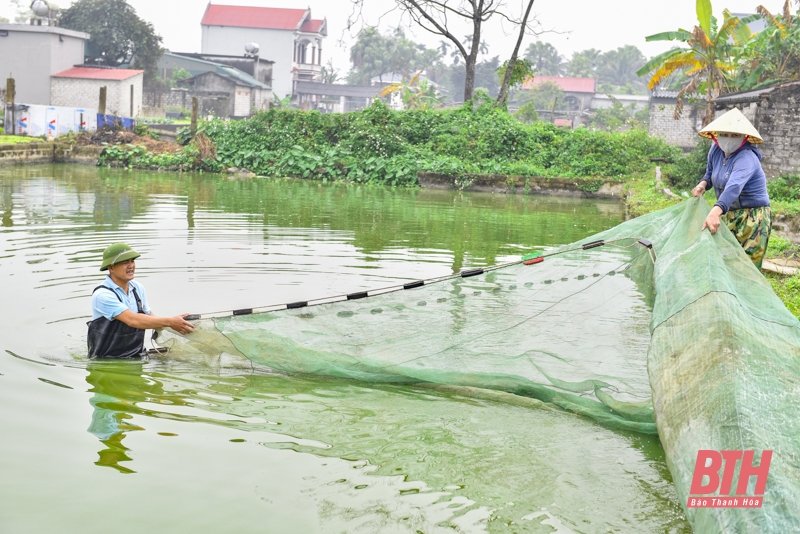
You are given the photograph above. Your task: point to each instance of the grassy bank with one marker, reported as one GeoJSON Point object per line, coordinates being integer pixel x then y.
{"type": "Point", "coordinates": [18, 139]}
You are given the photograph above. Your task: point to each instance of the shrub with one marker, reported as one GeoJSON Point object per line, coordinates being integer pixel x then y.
{"type": "Point", "coordinates": [784, 187]}
{"type": "Point", "coordinates": [688, 169]}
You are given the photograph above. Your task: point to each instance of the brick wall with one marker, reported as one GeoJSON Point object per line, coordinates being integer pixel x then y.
{"type": "Point", "coordinates": [80, 92]}
{"type": "Point", "coordinates": [777, 119]}
{"type": "Point", "coordinates": [681, 132]}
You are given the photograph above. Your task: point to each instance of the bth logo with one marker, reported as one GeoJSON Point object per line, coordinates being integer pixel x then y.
{"type": "Point", "coordinates": [708, 467]}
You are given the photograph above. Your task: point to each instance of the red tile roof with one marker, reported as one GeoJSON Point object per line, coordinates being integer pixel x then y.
{"type": "Point", "coordinates": [269, 18]}
{"type": "Point", "coordinates": [90, 73]}
{"type": "Point", "coordinates": [311, 26]}
{"type": "Point", "coordinates": [568, 85]}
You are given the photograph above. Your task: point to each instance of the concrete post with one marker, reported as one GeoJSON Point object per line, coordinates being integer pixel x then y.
{"type": "Point", "coordinates": [10, 90]}
{"type": "Point", "coordinates": [195, 107]}
{"type": "Point", "coordinates": [101, 106]}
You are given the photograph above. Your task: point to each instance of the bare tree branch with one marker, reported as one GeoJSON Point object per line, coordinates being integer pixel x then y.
{"type": "Point", "coordinates": [512, 62]}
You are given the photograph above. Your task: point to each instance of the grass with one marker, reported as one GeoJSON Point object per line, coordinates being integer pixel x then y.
{"type": "Point", "coordinates": [788, 290]}
{"type": "Point", "coordinates": [643, 197]}
{"type": "Point", "coordinates": [785, 207]}
{"type": "Point", "coordinates": [18, 139]}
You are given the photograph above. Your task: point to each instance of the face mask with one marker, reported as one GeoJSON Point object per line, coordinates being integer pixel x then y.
{"type": "Point", "coordinates": [730, 144]}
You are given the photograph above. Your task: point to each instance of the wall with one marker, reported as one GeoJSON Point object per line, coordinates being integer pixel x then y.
{"type": "Point", "coordinates": [80, 92]}
{"type": "Point", "coordinates": [276, 45]}
{"type": "Point", "coordinates": [209, 102]}
{"type": "Point", "coordinates": [777, 119]}
{"type": "Point", "coordinates": [27, 153]}
{"type": "Point", "coordinates": [30, 54]}
{"type": "Point", "coordinates": [681, 132]}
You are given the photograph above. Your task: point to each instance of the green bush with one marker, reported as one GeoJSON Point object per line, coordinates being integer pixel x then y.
{"type": "Point", "coordinates": [380, 145]}
{"type": "Point", "coordinates": [784, 187]}
{"type": "Point", "coordinates": [687, 170]}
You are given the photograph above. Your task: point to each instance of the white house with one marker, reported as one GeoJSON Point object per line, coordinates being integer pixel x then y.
{"type": "Point", "coordinates": [80, 87]}
{"type": "Point", "coordinates": [31, 54]}
{"type": "Point", "coordinates": [289, 37]}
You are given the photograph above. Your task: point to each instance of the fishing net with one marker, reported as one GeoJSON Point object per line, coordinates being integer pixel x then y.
{"type": "Point", "coordinates": [652, 326]}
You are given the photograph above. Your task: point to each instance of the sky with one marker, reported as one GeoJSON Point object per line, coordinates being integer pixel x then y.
{"type": "Point", "coordinates": [569, 25]}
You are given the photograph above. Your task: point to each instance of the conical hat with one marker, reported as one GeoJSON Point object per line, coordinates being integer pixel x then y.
{"type": "Point", "coordinates": [733, 121]}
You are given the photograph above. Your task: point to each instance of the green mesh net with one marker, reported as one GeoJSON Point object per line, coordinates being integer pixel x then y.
{"type": "Point", "coordinates": [692, 345]}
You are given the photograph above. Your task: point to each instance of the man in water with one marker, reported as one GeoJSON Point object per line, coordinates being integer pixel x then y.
{"type": "Point", "coordinates": [120, 313]}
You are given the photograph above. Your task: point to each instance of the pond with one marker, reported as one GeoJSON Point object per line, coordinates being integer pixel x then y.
{"type": "Point", "coordinates": [177, 446]}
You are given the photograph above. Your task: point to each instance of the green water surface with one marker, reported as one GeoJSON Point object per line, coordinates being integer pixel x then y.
{"type": "Point", "coordinates": [177, 446]}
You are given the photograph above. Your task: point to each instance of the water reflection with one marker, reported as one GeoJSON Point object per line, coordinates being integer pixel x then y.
{"type": "Point", "coordinates": [418, 456]}
{"type": "Point", "coordinates": [111, 414]}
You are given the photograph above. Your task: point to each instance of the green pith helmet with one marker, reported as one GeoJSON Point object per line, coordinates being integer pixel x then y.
{"type": "Point", "coordinates": [116, 253]}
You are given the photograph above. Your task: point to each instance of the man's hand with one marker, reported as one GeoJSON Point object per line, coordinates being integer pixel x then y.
{"type": "Point", "coordinates": [699, 189]}
{"type": "Point", "coordinates": [712, 222]}
{"type": "Point", "coordinates": [142, 321]}
{"type": "Point", "coordinates": [181, 325]}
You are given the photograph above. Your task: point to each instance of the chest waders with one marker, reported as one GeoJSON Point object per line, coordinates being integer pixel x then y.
{"type": "Point", "coordinates": [115, 339]}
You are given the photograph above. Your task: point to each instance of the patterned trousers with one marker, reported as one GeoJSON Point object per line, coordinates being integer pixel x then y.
{"type": "Point", "coordinates": [751, 226]}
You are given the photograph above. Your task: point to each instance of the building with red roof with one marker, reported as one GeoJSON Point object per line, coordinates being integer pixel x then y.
{"type": "Point", "coordinates": [79, 87]}
{"type": "Point", "coordinates": [291, 38]}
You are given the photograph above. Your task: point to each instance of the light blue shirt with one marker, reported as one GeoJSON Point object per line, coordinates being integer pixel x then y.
{"type": "Point", "coordinates": [105, 304]}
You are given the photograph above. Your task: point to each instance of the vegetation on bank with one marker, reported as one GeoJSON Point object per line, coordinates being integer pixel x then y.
{"type": "Point", "coordinates": [380, 145]}
{"type": "Point", "coordinates": [18, 139]}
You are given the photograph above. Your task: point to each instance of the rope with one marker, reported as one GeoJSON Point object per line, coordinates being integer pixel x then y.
{"type": "Point", "coordinates": [530, 259]}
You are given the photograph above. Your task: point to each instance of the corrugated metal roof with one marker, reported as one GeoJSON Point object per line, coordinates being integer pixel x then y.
{"type": "Point", "coordinates": [269, 18]}
{"type": "Point", "coordinates": [91, 73]}
{"type": "Point", "coordinates": [568, 85]}
{"type": "Point", "coordinates": [328, 89]}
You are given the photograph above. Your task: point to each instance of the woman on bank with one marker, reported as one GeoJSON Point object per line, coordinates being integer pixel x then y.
{"type": "Point", "coordinates": [734, 172]}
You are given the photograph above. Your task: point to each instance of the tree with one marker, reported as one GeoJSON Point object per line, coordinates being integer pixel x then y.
{"type": "Point", "coordinates": [584, 64]}
{"type": "Point", "coordinates": [772, 55]}
{"type": "Point", "coordinates": [515, 71]}
{"type": "Point", "coordinates": [118, 35]}
{"type": "Point", "coordinates": [416, 92]}
{"type": "Point", "coordinates": [619, 67]}
{"type": "Point", "coordinates": [329, 74]}
{"type": "Point", "coordinates": [706, 59]}
{"type": "Point", "coordinates": [545, 58]}
{"type": "Point", "coordinates": [545, 96]}
{"type": "Point", "coordinates": [438, 16]}
{"type": "Point", "coordinates": [376, 55]}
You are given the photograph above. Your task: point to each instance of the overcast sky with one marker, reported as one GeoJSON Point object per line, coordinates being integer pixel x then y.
{"type": "Point", "coordinates": [570, 25]}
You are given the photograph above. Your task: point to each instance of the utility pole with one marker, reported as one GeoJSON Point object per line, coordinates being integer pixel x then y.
{"type": "Point", "coordinates": [101, 107]}
{"type": "Point", "coordinates": [10, 90]}
{"type": "Point", "coordinates": [194, 115]}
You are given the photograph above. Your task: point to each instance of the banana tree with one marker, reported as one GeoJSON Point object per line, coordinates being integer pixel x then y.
{"type": "Point", "coordinates": [773, 55]}
{"type": "Point", "coordinates": [706, 59]}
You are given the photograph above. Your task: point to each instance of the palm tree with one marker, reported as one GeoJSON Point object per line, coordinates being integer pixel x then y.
{"type": "Point", "coordinates": [584, 64]}
{"type": "Point", "coordinates": [545, 58]}
{"type": "Point", "coordinates": [618, 67]}
{"type": "Point", "coordinates": [706, 59]}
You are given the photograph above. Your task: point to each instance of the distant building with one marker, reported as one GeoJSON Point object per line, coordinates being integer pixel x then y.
{"type": "Point", "coordinates": [256, 67]}
{"type": "Point", "coordinates": [289, 37]}
{"type": "Point", "coordinates": [31, 54]}
{"type": "Point", "coordinates": [80, 87]}
{"type": "Point", "coordinates": [248, 95]}
{"type": "Point", "coordinates": [243, 82]}
{"type": "Point", "coordinates": [335, 98]}
{"type": "Point", "coordinates": [578, 92]}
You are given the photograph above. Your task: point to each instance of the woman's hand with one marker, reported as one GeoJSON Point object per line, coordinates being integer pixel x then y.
{"type": "Point", "coordinates": [712, 222]}
{"type": "Point", "coordinates": [699, 189]}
